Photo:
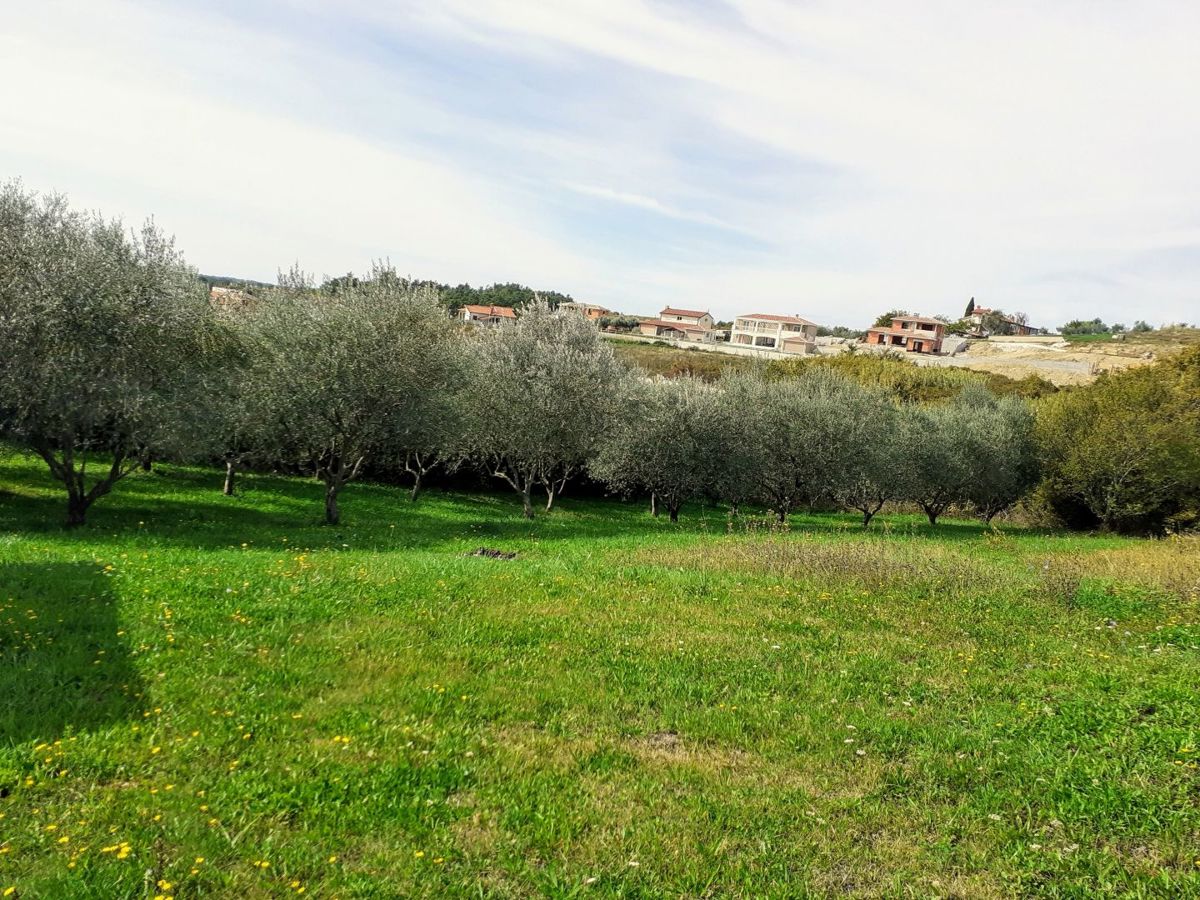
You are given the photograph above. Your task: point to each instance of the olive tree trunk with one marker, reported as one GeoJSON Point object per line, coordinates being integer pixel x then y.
{"type": "Point", "coordinates": [554, 488]}
{"type": "Point", "coordinates": [417, 464]}
{"type": "Point", "coordinates": [335, 474]}
{"type": "Point", "coordinates": [519, 481]}
{"type": "Point", "coordinates": [74, 478]}
{"type": "Point", "coordinates": [230, 476]}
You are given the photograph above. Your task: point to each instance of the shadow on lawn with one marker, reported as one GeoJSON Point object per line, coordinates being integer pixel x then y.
{"type": "Point", "coordinates": [63, 665]}
{"type": "Point", "coordinates": [182, 507]}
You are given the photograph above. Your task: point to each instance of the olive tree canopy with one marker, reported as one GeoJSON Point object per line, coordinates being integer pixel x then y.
{"type": "Point", "coordinates": [542, 394]}
{"type": "Point", "coordinates": [809, 437]}
{"type": "Point", "coordinates": [109, 349]}
{"type": "Point", "coordinates": [867, 477]}
{"type": "Point", "coordinates": [668, 442]}
{"type": "Point", "coordinates": [345, 376]}
{"type": "Point", "coordinates": [1003, 449]}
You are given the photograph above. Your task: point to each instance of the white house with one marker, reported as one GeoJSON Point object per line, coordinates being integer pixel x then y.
{"type": "Point", "coordinates": [488, 315]}
{"type": "Point", "coordinates": [787, 334]}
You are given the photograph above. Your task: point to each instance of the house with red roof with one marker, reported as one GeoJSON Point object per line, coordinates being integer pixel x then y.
{"type": "Point", "coordinates": [488, 315]}
{"type": "Point", "coordinates": [687, 316]}
{"type": "Point", "coordinates": [766, 331]}
{"type": "Point", "coordinates": [680, 325]}
{"type": "Point", "coordinates": [912, 334]}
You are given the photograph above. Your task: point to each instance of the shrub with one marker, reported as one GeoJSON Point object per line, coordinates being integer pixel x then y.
{"type": "Point", "coordinates": [1124, 452]}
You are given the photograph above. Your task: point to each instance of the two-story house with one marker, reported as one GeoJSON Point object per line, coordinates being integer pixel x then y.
{"type": "Point", "coordinates": [913, 334]}
{"type": "Point", "coordinates": [488, 315]}
{"type": "Point", "coordinates": [680, 324]}
{"type": "Point", "coordinates": [687, 316]}
{"type": "Point", "coordinates": [788, 334]}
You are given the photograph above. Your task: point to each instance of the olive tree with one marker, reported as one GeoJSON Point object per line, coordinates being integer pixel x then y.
{"type": "Point", "coordinates": [1004, 454]}
{"type": "Point", "coordinates": [109, 351]}
{"type": "Point", "coordinates": [434, 439]}
{"type": "Point", "coordinates": [976, 450]}
{"type": "Point", "coordinates": [809, 438]}
{"type": "Point", "coordinates": [867, 477]}
{"type": "Point", "coordinates": [741, 438]}
{"type": "Point", "coordinates": [541, 394]}
{"type": "Point", "coordinates": [667, 442]}
{"type": "Point", "coordinates": [343, 376]}
{"type": "Point", "coordinates": [240, 421]}
{"type": "Point", "coordinates": [935, 456]}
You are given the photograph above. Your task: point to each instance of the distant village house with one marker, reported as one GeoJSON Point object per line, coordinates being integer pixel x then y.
{"type": "Point", "coordinates": [788, 334]}
{"type": "Point", "coordinates": [590, 311]}
{"type": "Point", "coordinates": [488, 315]}
{"type": "Point", "coordinates": [912, 334]}
{"type": "Point", "coordinates": [680, 325]}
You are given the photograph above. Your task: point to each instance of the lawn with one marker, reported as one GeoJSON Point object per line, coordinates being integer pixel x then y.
{"type": "Point", "coordinates": [212, 696]}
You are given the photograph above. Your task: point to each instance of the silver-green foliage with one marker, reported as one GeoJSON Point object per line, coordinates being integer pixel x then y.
{"type": "Point", "coordinates": [810, 426]}
{"type": "Point", "coordinates": [667, 442]}
{"type": "Point", "coordinates": [109, 349]}
{"type": "Point", "coordinates": [976, 450]}
{"type": "Point", "coordinates": [341, 378]}
{"type": "Point", "coordinates": [541, 396]}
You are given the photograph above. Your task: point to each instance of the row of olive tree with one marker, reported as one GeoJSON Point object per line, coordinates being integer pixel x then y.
{"type": "Point", "coordinates": [111, 354]}
{"type": "Point", "coordinates": [819, 438]}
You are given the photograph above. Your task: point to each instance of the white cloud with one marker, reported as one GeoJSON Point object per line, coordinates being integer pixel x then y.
{"type": "Point", "coordinates": [247, 192]}
{"type": "Point", "coordinates": [1039, 157]}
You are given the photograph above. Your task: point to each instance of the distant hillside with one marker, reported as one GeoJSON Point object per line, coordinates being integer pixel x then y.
{"type": "Point", "coordinates": [456, 296]}
{"type": "Point", "coordinates": [452, 296]}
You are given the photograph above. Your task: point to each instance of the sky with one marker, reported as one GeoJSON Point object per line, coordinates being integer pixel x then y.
{"type": "Point", "coordinates": [828, 159]}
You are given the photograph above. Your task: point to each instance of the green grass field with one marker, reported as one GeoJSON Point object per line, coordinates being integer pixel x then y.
{"type": "Point", "coordinates": [211, 696]}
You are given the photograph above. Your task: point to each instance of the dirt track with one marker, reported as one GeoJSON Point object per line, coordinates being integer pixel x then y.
{"type": "Point", "coordinates": [1061, 362]}
{"type": "Point", "coordinates": [1073, 365]}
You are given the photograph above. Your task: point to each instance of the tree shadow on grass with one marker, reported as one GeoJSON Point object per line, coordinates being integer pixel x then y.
{"type": "Point", "coordinates": [64, 668]}
{"type": "Point", "coordinates": [184, 507]}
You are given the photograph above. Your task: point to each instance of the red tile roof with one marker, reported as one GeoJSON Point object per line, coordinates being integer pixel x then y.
{"type": "Point", "coordinates": [694, 313]}
{"type": "Point", "coordinates": [503, 312]}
